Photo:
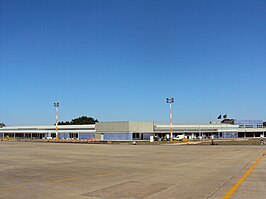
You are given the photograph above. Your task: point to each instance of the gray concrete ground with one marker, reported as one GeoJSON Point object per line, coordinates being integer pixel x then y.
{"type": "Point", "coordinates": [59, 170]}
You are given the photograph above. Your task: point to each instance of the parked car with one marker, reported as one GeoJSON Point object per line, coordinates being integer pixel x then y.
{"type": "Point", "coordinates": [179, 137]}
{"type": "Point", "coordinates": [49, 138]}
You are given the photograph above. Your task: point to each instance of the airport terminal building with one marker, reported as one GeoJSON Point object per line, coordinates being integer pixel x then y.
{"type": "Point", "coordinates": [137, 130]}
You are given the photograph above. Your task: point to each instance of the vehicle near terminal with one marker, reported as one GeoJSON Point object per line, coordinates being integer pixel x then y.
{"type": "Point", "coordinates": [179, 137]}
{"type": "Point", "coordinates": [48, 138]}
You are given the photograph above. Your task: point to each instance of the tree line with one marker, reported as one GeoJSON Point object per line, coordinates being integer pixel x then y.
{"type": "Point", "coordinates": [79, 121]}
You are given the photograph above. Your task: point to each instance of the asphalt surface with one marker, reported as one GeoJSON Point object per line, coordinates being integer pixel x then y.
{"type": "Point", "coordinates": [59, 170]}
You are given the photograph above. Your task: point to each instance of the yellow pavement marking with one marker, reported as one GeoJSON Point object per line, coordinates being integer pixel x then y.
{"type": "Point", "coordinates": [241, 180]}
{"type": "Point", "coordinates": [11, 188]}
{"type": "Point", "coordinates": [63, 180]}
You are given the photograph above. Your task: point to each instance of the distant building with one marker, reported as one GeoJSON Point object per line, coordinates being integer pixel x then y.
{"type": "Point", "coordinates": [250, 128]}
{"type": "Point", "coordinates": [249, 123]}
{"type": "Point", "coordinates": [137, 130]}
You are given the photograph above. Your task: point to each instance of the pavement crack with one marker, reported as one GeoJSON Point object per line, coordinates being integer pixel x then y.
{"type": "Point", "coordinates": [230, 178]}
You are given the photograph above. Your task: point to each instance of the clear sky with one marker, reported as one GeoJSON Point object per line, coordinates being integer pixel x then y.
{"type": "Point", "coordinates": [119, 60]}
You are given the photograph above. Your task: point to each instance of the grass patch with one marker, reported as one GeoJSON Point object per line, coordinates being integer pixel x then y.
{"type": "Point", "coordinates": [233, 142]}
{"type": "Point", "coordinates": [141, 142]}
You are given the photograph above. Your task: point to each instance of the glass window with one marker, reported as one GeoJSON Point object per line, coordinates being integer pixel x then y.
{"type": "Point", "coordinates": [73, 135]}
{"type": "Point", "coordinates": [249, 125]}
{"type": "Point", "coordinates": [259, 126]}
{"type": "Point", "coordinates": [241, 125]}
{"type": "Point", "coordinates": [135, 135]}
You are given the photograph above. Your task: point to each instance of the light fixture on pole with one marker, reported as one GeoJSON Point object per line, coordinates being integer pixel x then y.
{"type": "Point", "coordinates": [170, 101]}
{"type": "Point", "coordinates": [56, 105]}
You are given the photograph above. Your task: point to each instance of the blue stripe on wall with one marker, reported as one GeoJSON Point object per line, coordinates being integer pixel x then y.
{"type": "Point", "coordinates": [86, 135]}
{"type": "Point", "coordinates": [117, 136]}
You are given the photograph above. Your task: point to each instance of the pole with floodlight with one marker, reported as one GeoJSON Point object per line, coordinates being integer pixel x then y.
{"type": "Point", "coordinates": [170, 101]}
{"type": "Point", "coordinates": [56, 105]}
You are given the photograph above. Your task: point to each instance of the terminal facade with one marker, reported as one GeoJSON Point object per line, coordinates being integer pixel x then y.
{"type": "Point", "coordinates": [138, 130]}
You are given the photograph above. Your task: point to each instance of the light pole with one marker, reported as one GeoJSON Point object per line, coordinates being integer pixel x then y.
{"type": "Point", "coordinates": [170, 101]}
{"type": "Point", "coordinates": [56, 105]}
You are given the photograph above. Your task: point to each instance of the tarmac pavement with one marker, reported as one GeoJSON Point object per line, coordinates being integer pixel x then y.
{"type": "Point", "coordinates": [106, 171]}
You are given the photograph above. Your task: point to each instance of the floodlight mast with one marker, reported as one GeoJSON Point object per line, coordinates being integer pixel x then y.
{"type": "Point", "coordinates": [170, 101]}
{"type": "Point", "coordinates": [56, 105]}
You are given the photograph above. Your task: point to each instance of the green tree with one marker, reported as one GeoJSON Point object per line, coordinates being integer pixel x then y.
{"type": "Point", "coordinates": [79, 121]}
{"type": "Point", "coordinates": [64, 123]}
{"type": "Point", "coordinates": [83, 120]}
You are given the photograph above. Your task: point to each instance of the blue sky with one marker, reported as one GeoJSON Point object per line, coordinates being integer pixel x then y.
{"type": "Point", "coordinates": [119, 60]}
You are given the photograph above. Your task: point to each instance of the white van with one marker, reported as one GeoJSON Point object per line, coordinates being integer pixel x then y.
{"type": "Point", "coordinates": [179, 137]}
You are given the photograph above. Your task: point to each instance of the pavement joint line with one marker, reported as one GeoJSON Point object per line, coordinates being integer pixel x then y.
{"type": "Point", "coordinates": [11, 188]}
{"type": "Point", "coordinates": [104, 174]}
{"type": "Point", "coordinates": [228, 179]}
{"type": "Point", "coordinates": [160, 191]}
{"type": "Point", "coordinates": [63, 180]}
{"type": "Point", "coordinates": [242, 179]}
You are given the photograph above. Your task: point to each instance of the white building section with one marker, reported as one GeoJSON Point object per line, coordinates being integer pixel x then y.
{"type": "Point", "coordinates": [192, 131]}
{"type": "Point", "coordinates": [131, 131]}
{"type": "Point", "coordinates": [49, 131]}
